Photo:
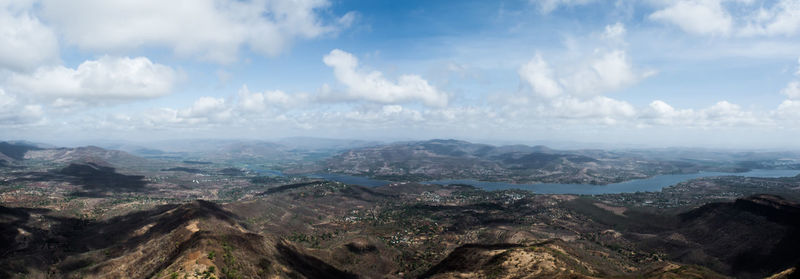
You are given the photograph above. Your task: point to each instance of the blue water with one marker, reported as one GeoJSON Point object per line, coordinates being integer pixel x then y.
{"type": "Point", "coordinates": [652, 184]}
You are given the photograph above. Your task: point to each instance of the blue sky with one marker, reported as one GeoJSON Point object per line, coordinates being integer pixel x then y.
{"type": "Point", "coordinates": [710, 73]}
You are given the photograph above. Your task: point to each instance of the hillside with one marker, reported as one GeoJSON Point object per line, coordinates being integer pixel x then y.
{"type": "Point", "coordinates": [194, 239]}
{"type": "Point", "coordinates": [319, 229]}
{"type": "Point", "coordinates": [452, 159]}
{"type": "Point", "coordinates": [14, 151]}
{"type": "Point", "coordinates": [747, 238]}
{"type": "Point", "coordinates": [71, 212]}
{"type": "Point", "coordinates": [86, 154]}
{"type": "Point", "coordinates": [548, 259]}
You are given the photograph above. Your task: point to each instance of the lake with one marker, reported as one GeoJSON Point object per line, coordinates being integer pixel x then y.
{"type": "Point", "coordinates": [652, 184]}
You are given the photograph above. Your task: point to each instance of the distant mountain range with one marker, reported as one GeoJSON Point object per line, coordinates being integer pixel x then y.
{"type": "Point", "coordinates": [297, 149]}
{"type": "Point", "coordinates": [417, 160]}
{"type": "Point", "coordinates": [91, 212]}
{"type": "Point", "coordinates": [453, 159]}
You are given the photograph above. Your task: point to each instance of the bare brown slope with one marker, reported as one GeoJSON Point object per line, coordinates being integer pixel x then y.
{"type": "Point", "coordinates": [173, 240]}
{"type": "Point", "coordinates": [92, 154]}
{"type": "Point", "coordinates": [751, 237]}
{"type": "Point", "coordinates": [549, 259]}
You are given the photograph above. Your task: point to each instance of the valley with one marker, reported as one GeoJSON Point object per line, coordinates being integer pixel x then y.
{"type": "Point", "coordinates": [98, 213]}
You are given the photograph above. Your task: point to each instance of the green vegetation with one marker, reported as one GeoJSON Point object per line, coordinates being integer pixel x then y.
{"type": "Point", "coordinates": [267, 179]}
{"type": "Point", "coordinates": [230, 270]}
{"type": "Point", "coordinates": [208, 273]}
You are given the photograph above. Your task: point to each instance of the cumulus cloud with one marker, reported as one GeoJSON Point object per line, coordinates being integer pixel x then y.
{"type": "Point", "coordinates": [207, 109]}
{"type": "Point", "coordinates": [728, 114]}
{"type": "Point", "coordinates": [25, 43]}
{"type": "Point", "coordinates": [792, 90]}
{"type": "Point", "coordinates": [372, 86]}
{"type": "Point", "coordinates": [599, 71]}
{"type": "Point", "coordinates": [260, 102]}
{"type": "Point", "coordinates": [732, 17]}
{"type": "Point", "coordinates": [782, 18]}
{"type": "Point", "coordinates": [13, 112]}
{"type": "Point", "coordinates": [596, 107]}
{"type": "Point", "coordinates": [560, 89]}
{"type": "Point", "coordinates": [210, 29]}
{"type": "Point", "coordinates": [575, 89]}
{"type": "Point", "coordinates": [702, 17]}
{"type": "Point", "coordinates": [789, 109]}
{"type": "Point", "coordinates": [246, 107]}
{"type": "Point", "coordinates": [203, 112]}
{"type": "Point", "coordinates": [720, 114]}
{"type": "Point", "coordinates": [609, 72]}
{"type": "Point", "coordinates": [105, 79]}
{"type": "Point", "coordinates": [661, 113]}
{"type": "Point", "coordinates": [538, 74]}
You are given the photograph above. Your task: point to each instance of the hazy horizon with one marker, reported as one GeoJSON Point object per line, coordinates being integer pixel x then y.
{"type": "Point", "coordinates": [164, 144]}
{"type": "Point", "coordinates": [720, 74]}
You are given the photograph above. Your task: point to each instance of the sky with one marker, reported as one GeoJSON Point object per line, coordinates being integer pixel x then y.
{"type": "Point", "coordinates": [650, 73]}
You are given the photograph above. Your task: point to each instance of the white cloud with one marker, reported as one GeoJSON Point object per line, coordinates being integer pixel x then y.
{"type": "Point", "coordinates": [547, 6]}
{"type": "Point", "coordinates": [207, 108]}
{"type": "Point", "coordinates": [203, 111]}
{"type": "Point", "coordinates": [788, 110]}
{"type": "Point", "coordinates": [259, 102]}
{"type": "Point", "coordinates": [25, 43]}
{"type": "Point", "coordinates": [609, 72]}
{"type": "Point", "coordinates": [661, 113]}
{"type": "Point", "coordinates": [615, 33]}
{"type": "Point", "coordinates": [720, 114]}
{"type": "Point", "coordinates": [603, 108]}
{"type": "Point", "coordinates": [732, 17]}
{"type": "Point", "coordinates": [592, 73]}
{"type": "Point", "coordinates": [574, 89]}
{"type": "Point", "coordinates": [247, 108]}
{"type": "Point", "coordinates": [209, 29]}
{"type": "Point", "coordinates": [348, 19]}
{"type": "Point", "coordinates": [538, 74]}
{"type": "Point", "coordinates": [14, 113]}
{"type": "Point", "coordinates": [702, 17]}
{"type": "Point", "coordinates": [105, 79]}
{"type": "Point", "coordinates": [386, 115]}
{"type": "Point", "coordinates": [726, 113]}
{"type": "Point", "coordinates": [783, 18]}
{"type": "Point", "coordinates": [374, 87]}
{"type": "Point", "coordinates": [792, 90]}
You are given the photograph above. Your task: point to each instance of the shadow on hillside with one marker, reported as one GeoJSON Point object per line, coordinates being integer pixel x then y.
{"type": "Point", "coordinates": [309, 266]}
{"type": "Point", "coordinates": [25, 244]}
{"type": "Point", "coordinates": [96, 180]}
